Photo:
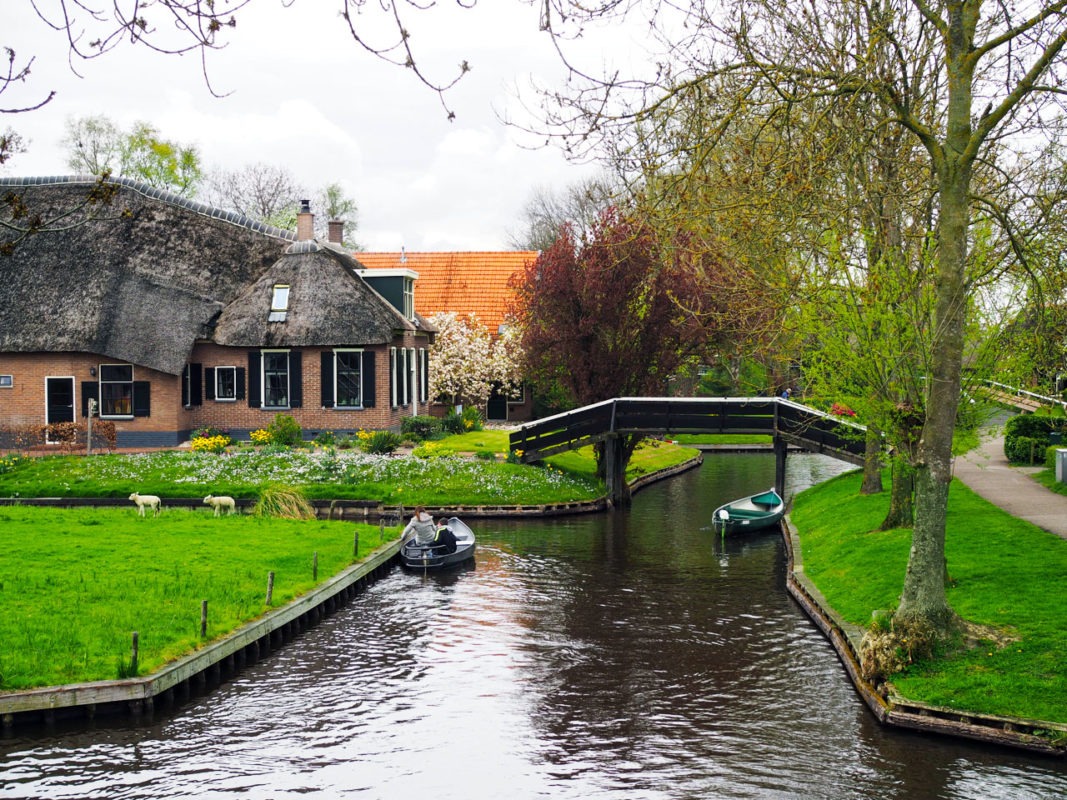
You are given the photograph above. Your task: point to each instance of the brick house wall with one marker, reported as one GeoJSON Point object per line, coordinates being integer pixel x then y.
{"type": "Point", "coordinates": [168, 421]}
{"type": "Point", "coordinates": [23, 404]}
{"type": "Point", "coordinates": [239, 419]}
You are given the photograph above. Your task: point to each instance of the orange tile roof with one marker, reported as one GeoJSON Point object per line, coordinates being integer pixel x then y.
{"type": "Point", "coordinates": [463, 282]}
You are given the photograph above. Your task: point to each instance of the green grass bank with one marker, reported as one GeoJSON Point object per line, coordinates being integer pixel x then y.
{"type": "Point", "coordinates": [1004, 573]}
{"type": "Point", "coordinates": [76, 583]}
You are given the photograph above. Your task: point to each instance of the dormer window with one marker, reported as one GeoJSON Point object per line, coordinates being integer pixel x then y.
{"type": "Point", "coordinates": [409, 298]}
{"type": "Point", "coordinates": [279, 303]}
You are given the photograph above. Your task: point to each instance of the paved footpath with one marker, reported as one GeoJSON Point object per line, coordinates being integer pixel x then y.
{"type": "Point", "coordinates": [987, 472]}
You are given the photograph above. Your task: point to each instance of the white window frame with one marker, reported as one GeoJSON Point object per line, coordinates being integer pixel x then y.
{"type": "Point", "coordinates": [409, 298]}
{"type": "Point", "coordinates": [218, 372]}
{"type": "Point", "coordinates": [337, 382]}
{"type": "Point", "coordinates": [7, 381]}
{"type": "Point", "coordinates": [100, 391]}
{"type": "Point", "coordinates": [279, 303]}
{"type": "Point", "coordinates": [392, 376]}
{"type": "Point", "coordinates": [263, 387]}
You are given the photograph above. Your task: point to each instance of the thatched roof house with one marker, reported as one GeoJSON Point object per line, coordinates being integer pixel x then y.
{"type": "Point", "coordinates": [328, 304]}
{"type": "Point", "coordinates": [137, 279]}
{"type": "Point", "coordinates": [171, 315]}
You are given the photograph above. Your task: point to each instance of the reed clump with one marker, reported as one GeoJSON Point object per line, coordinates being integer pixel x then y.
{"type": "Point", "coordinates": [283, 502]}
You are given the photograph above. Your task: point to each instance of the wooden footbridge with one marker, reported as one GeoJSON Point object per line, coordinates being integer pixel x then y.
{"type": "Point", "coordinates": [789, 423]}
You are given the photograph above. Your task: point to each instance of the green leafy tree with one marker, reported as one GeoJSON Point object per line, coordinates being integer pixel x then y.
{"type": "Point", "coordinates": [95, 145]}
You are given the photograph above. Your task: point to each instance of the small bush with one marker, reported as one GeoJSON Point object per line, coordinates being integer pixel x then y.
{"type": "Point", "coordinates": [486, 455]}
{"type": "Point", "coordinates": [453, 423]}
{"type": "Point", "coordinates": [1050, 455]}
{"type": "Point", "coordinates": [1026, 436]}
{"type": "Point", "coordinates": [325, 439]}
{"type": "Point", "coordinates": [1025, 449]}
{"type": "Point", "coordinates": [379, 442]}
{"type": "Point", "coordinates": [260, 437]}
{"type": "Point", "coordinates": [472, 420]}
{"type": "Point", "coordinates": [285, 431]}
{"type": "Point", "coordinates": [429, 450]}
{"type": "Point", "coordinates": [420, 427]}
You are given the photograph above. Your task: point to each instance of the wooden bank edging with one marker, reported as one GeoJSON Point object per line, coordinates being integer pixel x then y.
{"type": "Point", "coordinates": [845, 638]}
{"type": "Point", "coordinates": [253, 639]}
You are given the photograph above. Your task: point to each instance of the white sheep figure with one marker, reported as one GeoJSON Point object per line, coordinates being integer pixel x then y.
{"type": "Point", "coordinates": [149, 500]}
{"type": "Point", "coordinates": [220, 503]}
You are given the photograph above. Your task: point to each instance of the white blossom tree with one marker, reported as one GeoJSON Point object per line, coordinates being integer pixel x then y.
{"type": "Point", "coordinates": [467, 363]}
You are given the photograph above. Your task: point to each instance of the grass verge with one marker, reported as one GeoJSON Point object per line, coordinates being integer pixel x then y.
{"type": "Point", "coordinates": [75, 584]}
{"type": "Point", "coordinates": [1005, 573]}
{"type": "Point", "coordinates": [444, 479]}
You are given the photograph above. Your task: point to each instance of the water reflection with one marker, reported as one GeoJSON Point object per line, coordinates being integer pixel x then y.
{"type": "Point", "coordinates": [624, 655]}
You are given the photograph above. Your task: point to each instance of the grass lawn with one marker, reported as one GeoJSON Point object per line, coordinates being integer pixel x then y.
{"type": "Point", "coordinates": [443, 478]}
{"type": "Point", "coordinates": [1005, 573]}
{"type": "Point", "coordinates": [75, 584]}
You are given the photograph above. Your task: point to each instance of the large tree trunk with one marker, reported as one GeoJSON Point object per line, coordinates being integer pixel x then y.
{"type": "Point", "coordinates": [872, 462]}
{"type": "Point", "coordinates": [924, 599]}
{"type": "Point", "coordinates": [901, 495]}
{"type": "Point", "coordinates": [924, 602]}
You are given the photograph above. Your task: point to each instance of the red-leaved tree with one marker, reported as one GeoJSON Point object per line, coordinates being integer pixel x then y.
{"type": "Point", "coordinates": [618, 312]}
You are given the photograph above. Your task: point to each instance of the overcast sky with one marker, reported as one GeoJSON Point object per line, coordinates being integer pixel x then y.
{"type": "Point", "coordinates": [302, 95]}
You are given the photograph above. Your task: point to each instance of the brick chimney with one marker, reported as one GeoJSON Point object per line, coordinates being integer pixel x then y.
{"type": "Point", "coordinates": [337, 231]}
{"type": "Point", "coordinates": [305, 222]}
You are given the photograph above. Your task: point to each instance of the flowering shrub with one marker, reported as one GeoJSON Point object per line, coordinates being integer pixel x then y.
{"type": "Point", "coordinates": [259, 437]}
{"type": "Point", "coordinates": [209, 440]}
{"type": "Point", "coordinates": [841, 410]}
{"type": "Point", "coordinates": [209, 444]}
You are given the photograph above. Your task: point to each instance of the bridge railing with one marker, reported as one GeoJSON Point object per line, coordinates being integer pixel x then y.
{"type": "Point", "coordinates": [795, 423]}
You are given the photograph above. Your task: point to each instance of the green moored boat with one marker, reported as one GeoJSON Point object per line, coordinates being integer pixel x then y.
{"type": "Point", "coordinates": [751, 513]}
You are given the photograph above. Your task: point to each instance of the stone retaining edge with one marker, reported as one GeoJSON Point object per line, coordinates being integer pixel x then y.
{"type": "Point", "coordinates": [897, 711]}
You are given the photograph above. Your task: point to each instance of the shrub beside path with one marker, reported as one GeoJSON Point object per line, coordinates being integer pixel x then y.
{"type": "Point", "coordinates": [986, 471]}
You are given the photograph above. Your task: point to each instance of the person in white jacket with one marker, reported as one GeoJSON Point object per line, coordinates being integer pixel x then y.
{"type": "Point", "coordinates": [422, 526]}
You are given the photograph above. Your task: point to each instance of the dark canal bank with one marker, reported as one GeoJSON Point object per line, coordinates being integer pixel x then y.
{"type": "Point", "coordinates": [619, 655]}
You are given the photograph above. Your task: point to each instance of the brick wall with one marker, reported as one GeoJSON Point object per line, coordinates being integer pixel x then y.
{"type": "Point", "coordinates": [170, 423]}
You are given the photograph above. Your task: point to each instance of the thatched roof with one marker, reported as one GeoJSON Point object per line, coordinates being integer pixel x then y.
{"type": "Point", "coordinates": [329, 304]}
{"type": "Point", "coordinates": [138, 279]}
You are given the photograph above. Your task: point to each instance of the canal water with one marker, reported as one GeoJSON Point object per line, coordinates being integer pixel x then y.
{"type": "Point", "coordinates": [625, 655]}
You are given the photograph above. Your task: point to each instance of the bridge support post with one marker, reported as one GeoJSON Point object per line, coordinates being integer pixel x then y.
{"type": "Point", "coordinates": [615, 472]}
{"type": "Point", "coordinates": [780, 448]}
